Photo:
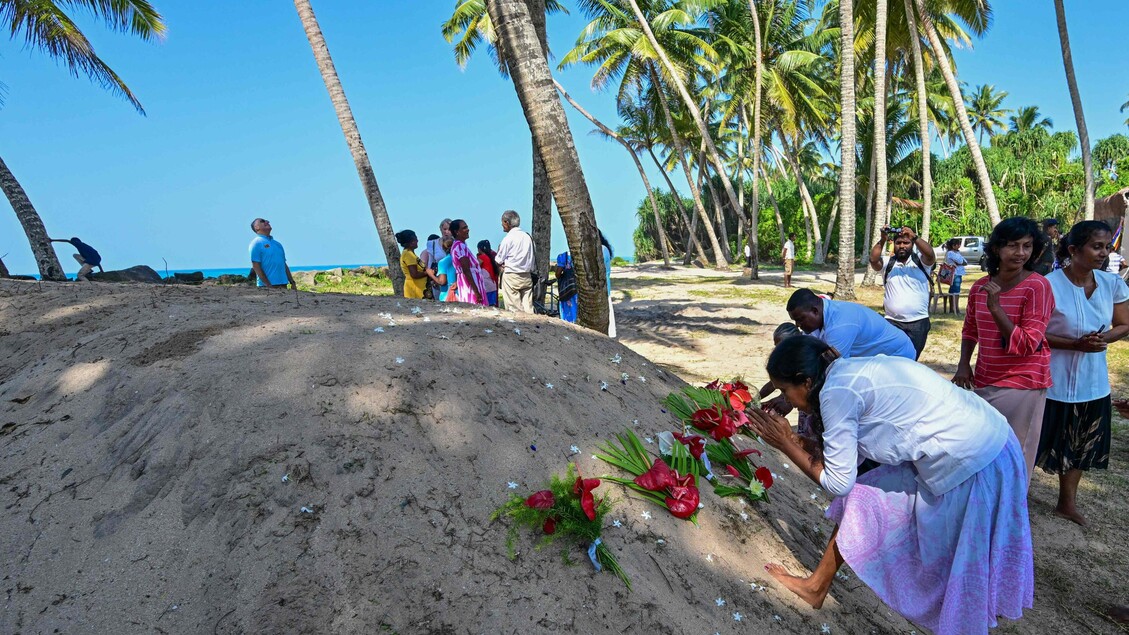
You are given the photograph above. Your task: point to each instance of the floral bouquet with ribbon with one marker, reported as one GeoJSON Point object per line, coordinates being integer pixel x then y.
{"type": "Point", "coordinates": [567, 508]}
{"type": "Point", "coordinates": [673, 486]}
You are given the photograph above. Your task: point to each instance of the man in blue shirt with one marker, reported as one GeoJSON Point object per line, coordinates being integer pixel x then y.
{"type": "Point", "coordinates": [268, 259]}
{"type": "Point", "coordinates": [854, 330]}
{"type": "Point", "coordinates": [87, 256]}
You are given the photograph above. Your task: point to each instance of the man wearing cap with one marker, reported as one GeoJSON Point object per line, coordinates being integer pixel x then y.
{"type": "Point", "coordinates": [87, 256]}
{"type": "Point", "coordinates": [1047, 260]}
{"type": "Point", "coordinates": [268, 259]}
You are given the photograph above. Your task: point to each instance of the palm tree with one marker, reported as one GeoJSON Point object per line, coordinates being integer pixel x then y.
{"type": "Point", "coordinates": [922, 120]}
{"type": "Point", "coordinates": [758, 86]}
{"type": "Point", "coordinates": [467, 28]}
{"type": "Point", "coordinates": [1029, 118]}
{"type": "Point", "coordinates": [1076, 101]}
{"type": "Point", "coordinates": [353, 140]}
{"type": "Point", "coordinates": [44, 25]}
{"type": "Point", "coordinates": [986, 112]}
{"type": "Point", "coordinates": [549, 125]}
{"type": "Point", "coordinates": [611, 134]}
{"type": "Point", "coordinates": [845, 278]}
{"type": "Point", "coordinates": [879, 146]}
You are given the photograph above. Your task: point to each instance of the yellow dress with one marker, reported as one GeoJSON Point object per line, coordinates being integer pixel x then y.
{"type": "Point", "coordinates": [413, 287]}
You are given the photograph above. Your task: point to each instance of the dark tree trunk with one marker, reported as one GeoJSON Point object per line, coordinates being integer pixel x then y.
{"type": "Point", "coordinates": [45, 259]}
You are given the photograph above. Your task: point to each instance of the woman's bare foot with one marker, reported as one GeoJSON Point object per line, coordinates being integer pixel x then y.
{"type": "Point", "coordinates": [1071, 514]}
{"type": "Point", "coordinates": [808, 590]}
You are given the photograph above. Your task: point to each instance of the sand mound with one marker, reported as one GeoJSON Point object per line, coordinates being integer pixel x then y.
{"type": "Point", "coordinates": [146, 434]}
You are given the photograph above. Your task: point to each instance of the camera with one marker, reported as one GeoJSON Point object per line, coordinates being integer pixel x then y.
{"type": "Point", "coordinates": [891, 232]}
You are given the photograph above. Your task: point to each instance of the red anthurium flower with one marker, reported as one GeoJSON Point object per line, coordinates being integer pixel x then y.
{"type": "Point", "coordinates": [695, 443]}
{"type": "Point", "coordinates": [706, 419]}
{"type": "Point", "coordinates": [714, 385]}
{"type": "Point", "coordinates": [584, 488]}
{"type": "Point", "coordinates": [541, 500]}
{"type": "Point", "coordinates": [738, 394]}
{"type": "Point", "coordinates": [683, 501]}
{"type": "Point", "coordinates": [733, 471]}
{"type": "Point", "coordinates": [656, 479]}
{"type": "Point", "coordinates": [550, 525]}
{"type": "Point", "coordinates": [764, 475]}
{"type": "Point", "coordinates": [727, 424]}
{"type": "Point", "coordinates": [745, 453]}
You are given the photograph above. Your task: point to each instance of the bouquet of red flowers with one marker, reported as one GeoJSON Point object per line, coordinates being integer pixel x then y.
{"type": "Point", "coordinates": [673, 486]}
{"type": "Point", "coordinates": [567, 508]}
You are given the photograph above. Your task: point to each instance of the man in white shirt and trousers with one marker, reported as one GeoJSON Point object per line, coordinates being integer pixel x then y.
{"type": "Point", "coordinates": [788, 255]}
{"type": "Point", "coordinates": [906, 277]}
{"type": "Point", "coordinates": [515, 256]}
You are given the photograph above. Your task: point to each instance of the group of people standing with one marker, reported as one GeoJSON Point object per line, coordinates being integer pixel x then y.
{"type": "Point", "coordinates": [931, 475]}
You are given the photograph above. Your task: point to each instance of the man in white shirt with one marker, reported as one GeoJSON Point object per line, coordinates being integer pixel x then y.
{"type": "Point", "coordinates": [1116, 263]}
{"type": "Point", "coordinates": [906, 276]}
{"type": "Point", "coordinates": [515, 257]}
{"type": "Point", "coordinates": [788, 254]}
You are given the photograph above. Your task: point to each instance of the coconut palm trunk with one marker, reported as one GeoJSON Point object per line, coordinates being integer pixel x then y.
{"type": "Point", "coordinates": [775, 205]}
{"type": "Point", "coordinates": [718, 256]}
{"type": "Point", "coordinates": [790, 154]}
{"type": "Point", "coordinates": [1076, 101]}
{"type": "Point", "coordinates": [845, 278]}
{"type": "Point", "coordinates": [830, 228]}
{"type": "Point", "coordinates": [758, 83]}
{"type": "Point", "coordinates": [942, 60]}
{"type": "Point", "coordinates": [691, 105]}
{"type": "Point", "coordinates": [873, 222]}
{"type": "Point", "coordinates": [718, 208]}
{"type": "Point", "coordinates": [638, 165]}
{"type": "Point", "coordinates": [4, 270]}
{"type": "Point", "coordinates": [923, 122]}
{"type": "Point", "coordinates": [683, 213]}
{"type": "Point", "coordinates": [45, 259]}
{"type": "Point", "coordinates": [881, 174]}
{"type": "Point", "coordinates": [553, 140]}
{"type": "Point", "coordinates": [542, 191]}
{"type": "Point", "coordinates": [353, 139]}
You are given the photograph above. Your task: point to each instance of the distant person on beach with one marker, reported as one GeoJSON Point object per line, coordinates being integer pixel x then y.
{"type": "Point", "coordinates": [788, 254]}
{"type": "Point", "coordinates": [490, 268]}
{"type": "Point", "coordinates": [1091, 311]}
{"type": "Point", "coordinates": [470, 286]}
{"type": "Point", "coordinates": [433, 251]}
{"type": "Point", "coordinates": [1046, 261]}
{"type": "Point", "coordinates": [515, 256]}
{"type": "Point", "coordinates": [940, 530]}
{"type": "Point", "coordinates": [906, 278]}
{"type": "Point", "coordinates": [609, 253]}
{"type": "Point", "coordinates": [268, 258]}
{"type": "Point", "coordinates": [1007, 319]}
{"type": "Point", "coordinates": [446, 272]}
{"type": "Point", "coordinates": [415, 274]}
{"type": "Point", "coordinates": [852, 329]}
{"type": "Point", "coordinates": [566, 287]}
{"type": "Point", "coordinates": [88, 257]}
{"type": "Point", "coordinates": [957, 262]}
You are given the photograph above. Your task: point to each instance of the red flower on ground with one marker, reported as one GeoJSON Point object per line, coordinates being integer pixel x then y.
{"type": "Point", "coordinates": [764, 475]}
{"type": "Point", "coordinates": [733, 471]}
{"type": "Point", "coordinates": [695, 443]}
{"type": "Point", "coordinates": [737, 393]}
{"type": "Point", "coordinates": [541, 500]}
{"type": "Point", "coordinates": [656, 479]}
{"type": "Point", "coordinates": [550, 525]}
{"type": "Point", "coordinates": [584, 487]}
{"type": "Point", "coordinates": [745, 453]}
{"type": "Point", "coordinates": [682, 495]}
{"type": "Point", "coordinates": [683, 501]}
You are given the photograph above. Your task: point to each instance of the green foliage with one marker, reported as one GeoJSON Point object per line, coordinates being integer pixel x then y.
{"type": "Point", "coordinates": [684, 404]}
{"type": "Point", "coordinates": [725, 453]}
{"type": "Point", "coordinates": [571, 521]}
{"type": "Point", "coordinates": [630, 456]}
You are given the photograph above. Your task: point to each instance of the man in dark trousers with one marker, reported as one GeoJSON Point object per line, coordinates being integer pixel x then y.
{"type": "Point", "coordinates": [87, 256]}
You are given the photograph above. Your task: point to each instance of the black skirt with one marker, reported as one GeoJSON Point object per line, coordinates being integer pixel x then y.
{"type": "Point", "coordinates": [1076, 436]}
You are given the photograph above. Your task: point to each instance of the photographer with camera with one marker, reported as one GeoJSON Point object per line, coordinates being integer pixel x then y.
{"type": "Point", "coordinates": [906, 277]}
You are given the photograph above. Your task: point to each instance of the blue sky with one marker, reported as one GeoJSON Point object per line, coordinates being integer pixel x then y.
{"type": "Point", "coordinates": [239, 125]}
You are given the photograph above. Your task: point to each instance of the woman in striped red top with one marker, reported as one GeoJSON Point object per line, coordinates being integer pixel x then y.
{"type": "Point", "coordinates": [1007, 318]}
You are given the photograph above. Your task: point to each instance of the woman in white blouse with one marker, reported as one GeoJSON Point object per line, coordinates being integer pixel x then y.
{"type": "Point", "coordinates": [1091, 312]}
{"type": "Point", "coordinates": [940, 529]}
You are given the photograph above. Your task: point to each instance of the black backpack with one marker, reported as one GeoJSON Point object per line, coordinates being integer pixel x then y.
{"type": "Point", "coordinates": [566, 284]}
{"type": "Point", "coordinates": [916, 261]}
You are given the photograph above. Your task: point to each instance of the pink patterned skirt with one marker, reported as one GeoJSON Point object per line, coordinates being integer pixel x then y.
{"type": "Point", "coordinates": [952, 563]}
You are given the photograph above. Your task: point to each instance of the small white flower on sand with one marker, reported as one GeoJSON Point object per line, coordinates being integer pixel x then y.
{"type": "Point", "coordinates": [398, 304]}
{"type": "Point", "coordinates": [595, 458]}
{"type": "Point", "coordinates": [642, 379]}
{"type": "Point", "coordinates": [617, 523]}
{"type": "Point", "coordinates": [719, 602]}
{"type": "Point", "coordinates": [306, 510]}
{"type": "Point", "coordinates": [510, 320]}
{"type": "Point", "coordinates": [660, 542]}
{"type": "Point", "coordinates": [709, 557]}
{"type": "Point", "coordinates": [604, 386]}
{"type": "Point", "coordinates": [517, 331]}
{"type": "Point", "coordinates": [646, 515]}
{"type": "Point", "coordinates": [817, 529]}
{"type": "Point", "coordinates": [624, 377]}
{"type": "Point", "coordinates": [823, 628]}
{"type": "Point", "coordinates": [785, 466]}
{"type": "Point", "coordinates": [649, 440]}
{"type": "Point", "coordinates": [634, 422]}
{"type": "Point", "coordinates": [744, 516]}
{"type": "Point", "coordinates": [573, 449]}
{"type": "Point", "coordinates": [549, 386]}
{"type": "Point", "coordinates": [399, 360]}
{"type": "Point", "coordinates": [426, 319]}
{"type": "Point", "coordinates": [617, 359]}
{"type": "Point", "coordinates": [386, 315]}
{"type": "Point", "coordinates": [379, 329]}
{"type": "Point", "coordinates": [487, 331]}
{"type": "Point", "coordinates": [737, 617]}
{"type": "Point", "coordinates": [444, 337]}
{"type": "Point", "coordinates": [842, 576]}
{"type": "Point", "coordinates": [416, 310]}
{"type": "Point", "coordinates": [567, 337]}
{"type": "Point", "coordinates": [814, 496]}
{"type": "Point", "coordinates": [285, 478]}
{"type": "Point", "coordinates": [511, 485]}
{"type": "Point", "coordinates": [777, 618]}
{"type": "Point", "coordinates": [701, 505]}
{"type": "Point", "coordinates": [391, 323]}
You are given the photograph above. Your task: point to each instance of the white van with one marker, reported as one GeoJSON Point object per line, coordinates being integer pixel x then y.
{"type": "Point", "coordinates": [971, 247]}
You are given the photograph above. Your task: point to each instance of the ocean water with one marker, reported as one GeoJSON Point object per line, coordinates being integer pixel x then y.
{"type": "Point", "coordinates": [242, 271]}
